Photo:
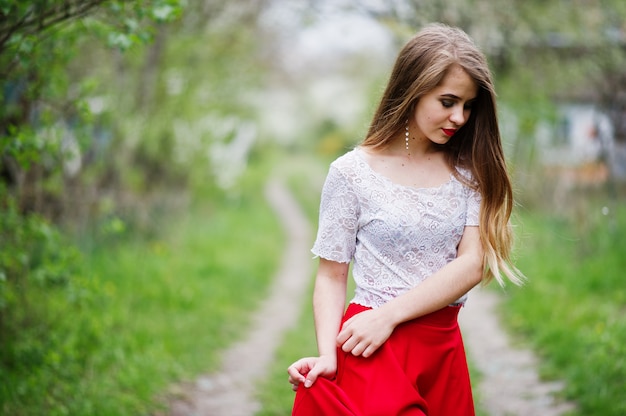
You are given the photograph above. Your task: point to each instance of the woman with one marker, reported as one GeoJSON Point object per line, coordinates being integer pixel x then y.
{"type": "Point", "coordinates": [421, 210]}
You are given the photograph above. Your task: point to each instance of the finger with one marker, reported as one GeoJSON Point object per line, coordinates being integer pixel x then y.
{"type": "Point", "coordinates": [371, 349]}
{"type": "Point", "coordinates": [311, 377]}
{"type": "Point", "coordinates": [294, 383]}
{"type": "Point", "coordinates": [296, 377]}
{"type": "Point", "coordinates": [342, 337]}
{"type": "Point", "coordinates": [345, 327]}
{"type": "Point", "coordinates": [298, 368]}
{"type": "Point", "coordinates": [350, 344]}
{"type": "Point", "coordinates": [359, 348]}
{"type": "Point", "coordinates": [296, 380]}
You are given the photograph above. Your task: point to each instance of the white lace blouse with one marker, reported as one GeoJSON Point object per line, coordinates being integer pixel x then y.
{"type": "Point", "coordinates": [395, 235]}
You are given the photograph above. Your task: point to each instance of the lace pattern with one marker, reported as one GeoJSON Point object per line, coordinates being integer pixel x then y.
{"type": "Point", "coordinates": [395, 235]}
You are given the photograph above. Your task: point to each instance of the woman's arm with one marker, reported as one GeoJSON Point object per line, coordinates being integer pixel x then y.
{"type": "Point", "coordinates": [329, 301]}
{"type": "Point", "coordinates": [365, 332]}
{"type": "Point", "coordinates": [329, 298]}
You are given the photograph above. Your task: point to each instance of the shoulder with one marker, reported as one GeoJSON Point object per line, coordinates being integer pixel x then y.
{"type": "Point", "coordinates": [349, 165]}
{"type": "Point", "coordinates": [346, 161]}
{"type": "Point", "coordinates": [470, 185]}
{"type": "Point", "coordinates": [348, 170]}
{"type": "Point", "coordinates": [466, 176]}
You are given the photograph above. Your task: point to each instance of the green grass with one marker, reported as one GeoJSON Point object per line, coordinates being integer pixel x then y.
{"type": "Point", "coordinates": [573, 310]}
{"type": "Point", "coordinates": [154, 311]}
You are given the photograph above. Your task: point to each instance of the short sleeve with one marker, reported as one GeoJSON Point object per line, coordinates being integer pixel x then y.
{"type": "Point", "coordinates": [473, 207]}
{"type": "Point", "coordinates": [338, 219]}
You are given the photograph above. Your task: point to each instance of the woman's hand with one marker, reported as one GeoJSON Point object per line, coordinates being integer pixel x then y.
{"type": "Point", "coordinates": [307, 370]}
{"type": "Point", "coordinates": [364, 333]}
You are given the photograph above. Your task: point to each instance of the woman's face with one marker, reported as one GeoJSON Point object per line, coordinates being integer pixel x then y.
{"type": "Point", "coordinates": [446, 108]}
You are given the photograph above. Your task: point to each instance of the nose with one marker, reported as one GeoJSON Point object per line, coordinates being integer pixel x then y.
{"type": "Point", "coordinates": [459, 115]}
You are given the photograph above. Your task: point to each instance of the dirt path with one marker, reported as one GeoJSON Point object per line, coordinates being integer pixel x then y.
{"type": "Point", "coordinates": [510, 385]}
{"type": "Point", "coordinates": [231, 391]}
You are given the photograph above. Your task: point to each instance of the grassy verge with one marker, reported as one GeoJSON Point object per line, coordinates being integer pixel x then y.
{"type": "Point", "coordinates": [572, 310]}
{"type": "Point", "coordinates": [154, 311]}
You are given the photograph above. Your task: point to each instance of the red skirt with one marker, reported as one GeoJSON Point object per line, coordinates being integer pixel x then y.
{"type": "Point", "coordinates": [420, 370]}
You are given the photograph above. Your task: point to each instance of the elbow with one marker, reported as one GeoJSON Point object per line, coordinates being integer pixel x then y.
{"type": "Point", "coordinates": [476, 270]}
{"type": "Point", "coordinates": [477, 277]}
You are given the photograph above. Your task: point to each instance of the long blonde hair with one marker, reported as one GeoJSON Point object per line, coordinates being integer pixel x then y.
{"type": "Point", "coordinates": [419, 68]}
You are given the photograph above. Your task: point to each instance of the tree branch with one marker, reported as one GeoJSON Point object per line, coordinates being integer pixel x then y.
{"type": "Point", "coordinates": [37, 20]}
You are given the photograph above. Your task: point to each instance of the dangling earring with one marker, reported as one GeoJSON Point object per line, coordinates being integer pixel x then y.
{"type": "Point", "coordinates": [406, 134]}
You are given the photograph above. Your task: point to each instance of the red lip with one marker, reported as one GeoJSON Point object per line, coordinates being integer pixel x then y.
{"type": "Point", "coordinates": [449, 132]}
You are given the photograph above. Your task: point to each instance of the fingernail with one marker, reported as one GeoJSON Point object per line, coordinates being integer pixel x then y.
{"type": "Point", "coordinates": [307, 383]}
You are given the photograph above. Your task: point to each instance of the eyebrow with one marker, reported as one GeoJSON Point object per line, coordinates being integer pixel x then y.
{"type": "Point", "coordinates": [454, 97]}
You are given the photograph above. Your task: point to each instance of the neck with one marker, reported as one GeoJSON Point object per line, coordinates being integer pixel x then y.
{"type": "Point", "coordinates": [418, 147]}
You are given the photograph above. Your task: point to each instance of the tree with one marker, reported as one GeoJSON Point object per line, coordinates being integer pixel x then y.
{"type": "Point", "coordinates": [39, 106]}
{"type": "Point", "coordinates": [38, 39]}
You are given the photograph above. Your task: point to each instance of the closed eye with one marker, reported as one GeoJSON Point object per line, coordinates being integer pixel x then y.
{"type": "Point", "coordinates": [449, 100]}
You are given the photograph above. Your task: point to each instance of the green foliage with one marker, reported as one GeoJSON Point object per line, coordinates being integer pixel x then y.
{"type": "Point", "coordinates": [44, 338]}
{"type": "Point", "coordinates": [32, 253]}
{"type": "Point", "coordinates": [104, 333]}
{"type": "Point", "coordinates": [52, 146]}
{"type": "Point", "coordinates": [573, 305]}
{"type": "Point", "coordinates": [37, 41]}
{"type": "Point", "coordinates": [140, 313]}
{"type": "Point", "coordinates": [189, 112]}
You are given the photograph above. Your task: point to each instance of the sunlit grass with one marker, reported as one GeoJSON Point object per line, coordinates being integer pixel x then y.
{"type": "Point", "coordinates": [176, 302]}
{"type": "Point", "coordinates": [573, 308]}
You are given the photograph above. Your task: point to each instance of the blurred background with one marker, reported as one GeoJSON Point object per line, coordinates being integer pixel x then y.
{"type": "Point", "coordinates": [136, 138]}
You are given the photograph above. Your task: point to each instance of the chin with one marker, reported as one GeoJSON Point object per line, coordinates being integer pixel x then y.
{"type": "Point", "coordinates": [441, 140]}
